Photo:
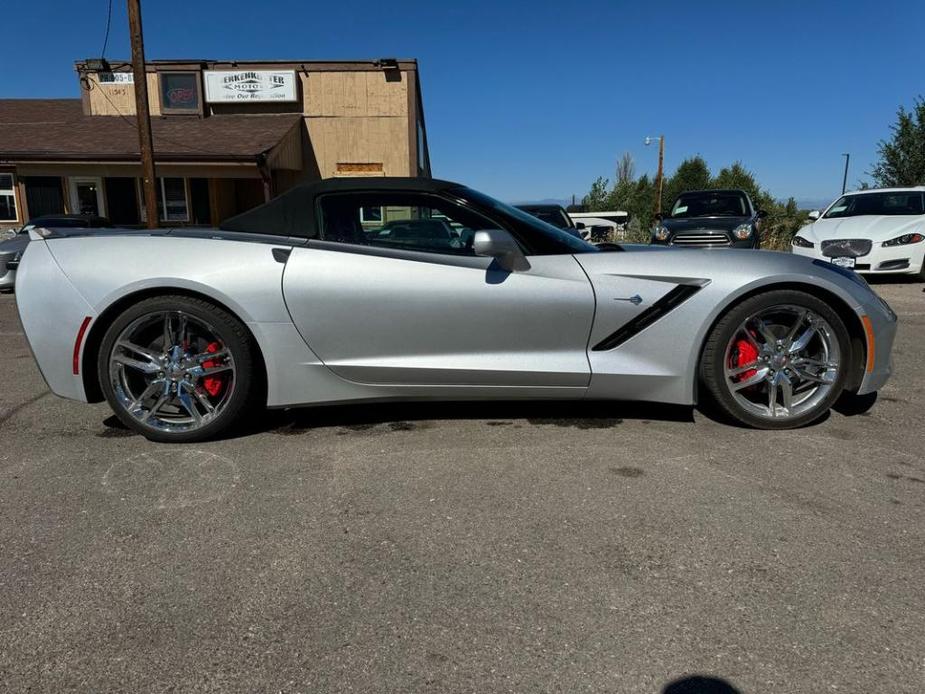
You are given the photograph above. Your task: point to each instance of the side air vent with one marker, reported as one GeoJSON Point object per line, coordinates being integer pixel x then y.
{"type": "Point", "coordinates": [663, 306]}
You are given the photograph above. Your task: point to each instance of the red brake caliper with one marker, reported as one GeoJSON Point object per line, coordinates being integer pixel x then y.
{"type": "Point", "coordinates": [745, 353]}
{"type": "Point", "coordinates": [212, 384]}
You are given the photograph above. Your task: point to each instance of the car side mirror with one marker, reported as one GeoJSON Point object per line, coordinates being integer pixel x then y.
{"type": "Point", "coordinates": [814, 215]}
{"type": "Point", "coordinates": [500, 245]}
{"type": "Point", "coordinates": [579, 225]}
{"type": "Point", "coordinates": [761, 214]}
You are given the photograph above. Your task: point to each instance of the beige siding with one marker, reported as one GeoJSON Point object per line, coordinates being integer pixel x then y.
{"type": "Point", "coordinates": [360, 140]}
{"type": "Point", "coordinates": [352, 94]}
{"type": "Point", "coordinates": [119, 99]}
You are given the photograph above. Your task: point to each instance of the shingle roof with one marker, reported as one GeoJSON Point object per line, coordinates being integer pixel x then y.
{"type": "Point", "coordinates": [45, 129]}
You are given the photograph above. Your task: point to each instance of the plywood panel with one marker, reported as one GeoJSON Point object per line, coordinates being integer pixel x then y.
{"type": "Point", "coordinates": [354, 94]}
{"type": "Point", "coordinates": [360, 140]}
{"type": "Point", "coordinates": [119, 99]}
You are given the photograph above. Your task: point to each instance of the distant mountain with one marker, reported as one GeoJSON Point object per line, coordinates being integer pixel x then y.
{"type": "Point", "coordinates": [814, 203]}
{"type": "Point", "coordinates": [565, 202]}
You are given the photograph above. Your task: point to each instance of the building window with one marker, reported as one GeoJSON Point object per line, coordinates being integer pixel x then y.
{"type": "Point", "coordinates": [369, 215]}
{"type": "Point", "coordinates": [180, 92]}
{"type": "Point", "coordinates": [8, 211]}
{"type": "Point", "coordinates": [172, 200]}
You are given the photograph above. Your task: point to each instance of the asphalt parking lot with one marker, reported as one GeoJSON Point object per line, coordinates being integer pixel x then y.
{"type": "Point", "coordinates": [465, 548]}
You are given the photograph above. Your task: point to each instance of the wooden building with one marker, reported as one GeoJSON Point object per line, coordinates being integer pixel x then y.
{"type": "Point", "coordinates": [228, 135]}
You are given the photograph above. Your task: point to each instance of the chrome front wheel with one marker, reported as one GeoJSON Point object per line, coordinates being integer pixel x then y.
{"type": "Point", "coordinates": [782, 362]}
{"type": "Point", "coordinates": [777, 360]}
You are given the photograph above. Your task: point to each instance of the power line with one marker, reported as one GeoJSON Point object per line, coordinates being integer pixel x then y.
{"type": "Point", "coordinates": [106, 36]}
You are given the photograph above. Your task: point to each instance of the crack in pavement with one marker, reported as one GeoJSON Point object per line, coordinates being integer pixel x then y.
{"type": "Point", "coordinates": [6, 416]}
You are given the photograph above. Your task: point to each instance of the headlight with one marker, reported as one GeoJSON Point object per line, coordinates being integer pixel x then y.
{"type": "Point", "coordinates": [800, 242]}
{"type": "Point", "coordinates": [742, 232]}
{"type": "Point", "coordinates": [660, 233]}
{"type": "Point", "coordinates": [904, 240]}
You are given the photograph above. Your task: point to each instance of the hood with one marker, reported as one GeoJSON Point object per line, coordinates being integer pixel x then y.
{"type": "Point", "coordinates": [697, 223]}
{"type": "Point", "coordinates": [875, 228]}
{"type": "Point", "coordinates": [15, 244]}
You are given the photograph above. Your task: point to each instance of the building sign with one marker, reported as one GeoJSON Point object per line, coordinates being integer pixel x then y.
{"type": "Point", "coordinates": [229, 86]}
{"type": "Point", "coordinates": [179, 91]}
{"type": "Point", "coordinates": [117, 78]}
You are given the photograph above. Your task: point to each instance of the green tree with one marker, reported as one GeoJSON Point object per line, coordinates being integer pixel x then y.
{"type": "Point", "coordinates": [596, 199]}
{"type": "Point", "coordinates": [902, 157]}
{"type": "Point", "coordinates": [691, 174]}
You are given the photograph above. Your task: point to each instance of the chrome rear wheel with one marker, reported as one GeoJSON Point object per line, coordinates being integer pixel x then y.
{"type": "Point", "coordinates": [177, 368]}
{"type": "Point", "coordinates": [172, 371]}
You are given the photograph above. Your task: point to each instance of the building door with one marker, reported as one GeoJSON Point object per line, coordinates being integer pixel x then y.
{"type": "Point", "coordinates": [87, 196]}
{"type": "Point", "coordinates": [121, 201]}
{"type": "Point", "coordinates": [44, 195]}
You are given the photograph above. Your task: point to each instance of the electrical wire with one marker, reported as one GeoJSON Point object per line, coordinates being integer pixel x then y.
{"type": "Point", "coordinates": [106, 36]}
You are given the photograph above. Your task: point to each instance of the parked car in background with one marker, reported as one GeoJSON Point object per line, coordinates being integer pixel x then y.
{"type": "Point", "coordinates": [555, 215]}
{"type": "Point", "coordinates": [296, 303]}
{"type": "Point", "coordinates": [11, 249]}
{"type": "Point", "coordinates": [608, 225]}
{"type": "Point", "coordinates": [870, 231]}
{"type": "Point", "coordinates": [711, 218]}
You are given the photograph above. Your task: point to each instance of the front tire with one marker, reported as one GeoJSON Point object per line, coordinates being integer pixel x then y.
{"type": "Point", "coordinates": [177, 369]}
{"type": "Point", "coordinates": [777, 360]}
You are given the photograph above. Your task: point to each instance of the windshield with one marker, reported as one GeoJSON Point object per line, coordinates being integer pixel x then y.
{"type": "Point", "coordinates": [555, 217]}
{"type": "Point", "coordinates": [711, 204]}
{"type": "Point", "coordinates": [899, 203]}
{"type": "Point", "coordinates": [553, 237]}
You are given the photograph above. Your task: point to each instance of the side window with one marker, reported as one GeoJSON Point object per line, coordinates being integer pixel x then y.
{"type": "Point", "coordinates": [410, 221]}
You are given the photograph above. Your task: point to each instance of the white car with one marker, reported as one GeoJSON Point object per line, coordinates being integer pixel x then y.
{"type": "Point", "coordinates": [870, 231]}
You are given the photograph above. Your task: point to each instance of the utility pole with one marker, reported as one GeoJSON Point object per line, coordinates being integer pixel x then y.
{"type": "Point", "coordinates": [142, 113]}
{"type": "Point", "coordinates": [844, 181]}
{"type": "Point", "coordinates": [660, 175]}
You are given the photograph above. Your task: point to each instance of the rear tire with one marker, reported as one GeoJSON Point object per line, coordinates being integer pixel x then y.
{"type": "Point", "coordinates": [777, 360]}
{"type": "Point", "coordinates": [177, 369]}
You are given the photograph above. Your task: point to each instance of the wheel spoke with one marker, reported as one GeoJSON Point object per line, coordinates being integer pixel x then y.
{"type": "Point", "coordinates": [786, 392]}
{"type": "Point", "coordinates": [802, 341]}
{"type": "Point", "coordinates": [137, 349]}
{"type": "Point", "coordinates": [202, 371]}
{"type": "Point", "coordinates": [165, 396]}
{"type": "Point", "coordinates": [772, 398]}
{"type": "Point", "coordinates": [183, 394]}
{"type": "Point", "coordinates": [824, 378]}
{"type": "Point", "coordinates": [153, 387]}
{"type": "Point", "coordinates": [144, 367]}
{"type": "Point", "coordinates": [168, 333]}
{"type": "Point", "coordinates": [204, 401]}
{"type": "Point", "coordinates": [796, 325]}
{"type": "Point", "coordinates": [739, 370]}
{"type": "Point", "coordinates": [766, 333]}
{"type": "Point", "coordinates": [207, 356]}
{"type": "Point", "coordinates": [760, 375]}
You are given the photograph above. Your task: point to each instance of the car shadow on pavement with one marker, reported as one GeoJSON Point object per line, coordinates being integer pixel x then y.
{"type": "Point", "coordinates": [700, 684]}
{"type": "Point", "coordinates": [406, 416]}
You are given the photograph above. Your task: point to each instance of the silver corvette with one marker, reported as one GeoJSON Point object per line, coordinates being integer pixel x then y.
{"type": "Point", "coordinates": [387, 289]}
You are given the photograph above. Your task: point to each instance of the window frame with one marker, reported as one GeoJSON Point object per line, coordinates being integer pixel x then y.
{"type": "Point", "coordinates": [445, 200]}
{"type": "Point", "coordinates": [166, 110]}
{"type": "Point", "coordinates": [162, 206]}
{"type": "Point", "coordinates": [11, 192]}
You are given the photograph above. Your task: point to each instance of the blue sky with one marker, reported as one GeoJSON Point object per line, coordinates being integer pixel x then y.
{"type": "Point", "coordinates": [532, 100]}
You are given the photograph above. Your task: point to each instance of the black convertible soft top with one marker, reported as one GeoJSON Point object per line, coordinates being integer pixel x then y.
{"type": "Point", "coordinates": [292, 213]}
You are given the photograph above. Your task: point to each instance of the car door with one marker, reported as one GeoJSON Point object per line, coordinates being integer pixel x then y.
{"type": "Point", "coordinates": [393, 294]}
